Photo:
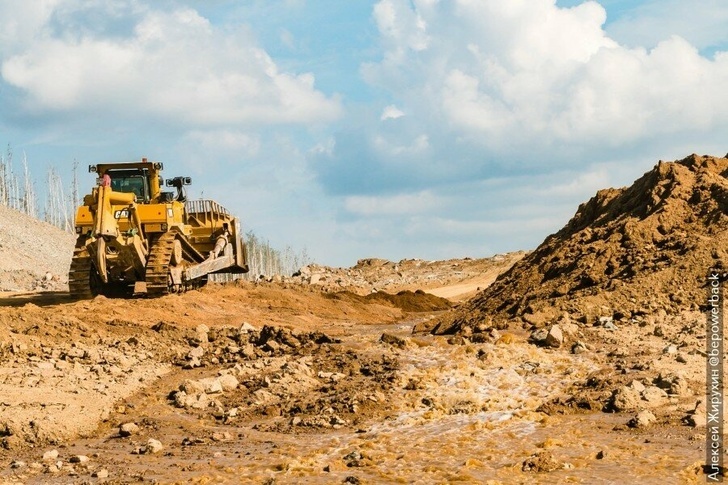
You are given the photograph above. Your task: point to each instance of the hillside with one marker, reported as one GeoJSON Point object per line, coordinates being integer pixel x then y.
{"type": "Point", "coordinates": [34, 255]}
{"type": "Point", "coordinates": [626, 253]}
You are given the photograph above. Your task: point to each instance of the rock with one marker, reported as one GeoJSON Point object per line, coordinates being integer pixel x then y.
{"type": "Point", "coordinates": [625, 398]}
{"type": "Point", "coordinates": [246, 328]}
{"type": "Point", "coordinates": [568, 328]}
{"type": "Point", "coordinates": [196, 353]}
{"type": "Point", "coordinates": [211, 385]}
{"type": "Point", "coordinates": [103, 473]}
{"type": "Point", "coordinates": [192, 363]}
{"type": "Point", "coordinates": [17, 464]}
{"type": "Point", "coordinates": [658, 331]}
{"type": "Point", "coordinates": [248, 351]}
{"type": "Point", "coordinates": [538, 319]}
{"type": "Point", "coordinates": [637, 385]}
{"type": "Point", "coordinates": [197, 401]}
{"type": "Point", "coordinates": [607, 323]}
{"type": "Point", "coordinates": [654, 395]}
{"type": "Point", "coordinates": [424, 327]}
{"type": "Point", "coordinates": [578, 347]}
{"type": "Point", "coordinates": [128, 429]}
{"type": "Point", "coordinates": [542, 461]}
{"type": "Point", "coordinates": [670, 350]}
{"type": "Point", "coordinates": [643, 419]}
{"type": "Point", "coordinates": [202, 331]}
{"type": "Point", "coordinates": [50, 455]}
{"type": "Point", "coordinates": [696, 416]}
{"type": "Point", "coordinates": [538, 336]}
{"type": "Point", "coordinates": [153, 446]}
{"type": "Point", "coordinates": [192, 387]}
{"type": "Point", "coordinates": [677, 385]}
{"type": "Point", "coordinates": [393, 340]}
{"type": "Point", "coordinates": [555, 337]}
{"type": "Point", "coordinates": [224, 436]}
{"type": "Point", "coordinates": [228, 382]}
{"type": "Point", "coordinates": [79, 459]}
{"type": "Point", "coordinates": [271, 346]}
{"type": "Point", "coordinates": [696, 420]}
{"type": "Point", "coordinates": [604, 321]}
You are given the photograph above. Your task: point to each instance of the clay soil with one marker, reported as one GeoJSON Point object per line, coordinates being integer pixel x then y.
{"type": "Point", "coordinates": [335, 376]}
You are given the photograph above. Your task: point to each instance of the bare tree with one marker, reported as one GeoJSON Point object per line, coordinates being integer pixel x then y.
{"type": "Point", "coordinates": [8, 181]}
{"type": "Point", "coordinates": [29, 199]}
{"type": "Point", "coordinates": [56, 210]}
{"type": "Point", "coordinates": [75, 195]}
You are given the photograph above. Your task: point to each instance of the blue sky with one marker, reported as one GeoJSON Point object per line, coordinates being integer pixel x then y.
{"type": "Point", "coordinates": [395, 128]}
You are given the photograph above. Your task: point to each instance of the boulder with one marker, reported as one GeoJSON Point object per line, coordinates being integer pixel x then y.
{"type": "Point", "coordinates": [642, 419]}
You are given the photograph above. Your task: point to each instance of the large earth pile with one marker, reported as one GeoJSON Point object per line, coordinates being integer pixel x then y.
{"type": "Point", "coordinates": [34, 255]}
{"type": "Point", "coordinates": [627, 252]}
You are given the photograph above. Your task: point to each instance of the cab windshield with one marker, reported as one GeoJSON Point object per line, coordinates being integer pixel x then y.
{"type": "Point", "coordinates": [134, 183]}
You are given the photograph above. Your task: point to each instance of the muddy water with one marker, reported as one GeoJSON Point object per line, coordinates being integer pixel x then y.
{"type": "Point", "coordinates": [464, 414]}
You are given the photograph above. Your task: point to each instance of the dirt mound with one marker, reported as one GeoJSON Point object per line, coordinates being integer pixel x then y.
{"type": "Point", "coordinates": [406, 300]}
{"type": "Point", "coordinates": [455, 279]}
{"type": "Point", "coordinates": [34, 255]}
{"type": "Point", "coordinates": [627, 253]}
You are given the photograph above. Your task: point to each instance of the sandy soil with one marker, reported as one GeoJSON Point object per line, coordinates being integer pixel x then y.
{"type": "Point", "coordinates": [289, 383]}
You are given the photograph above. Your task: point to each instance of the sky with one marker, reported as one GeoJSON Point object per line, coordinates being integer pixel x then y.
{"type": "Point", "coordinates": [395, 129]}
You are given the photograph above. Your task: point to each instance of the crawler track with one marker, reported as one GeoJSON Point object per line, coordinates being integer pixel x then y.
{"type": "Point", "coordinates": [157, 275]}
{"type": "Point", "coordinates": [79, 275]}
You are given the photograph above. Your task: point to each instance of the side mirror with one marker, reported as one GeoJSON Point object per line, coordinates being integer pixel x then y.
{"type": "Point", "coordinates": [188, 180]}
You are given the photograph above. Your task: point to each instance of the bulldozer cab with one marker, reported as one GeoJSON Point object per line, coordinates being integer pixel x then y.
{"type": "Point", "coordinates": [142, 179]}
{"type": "Point", "coordinates": [130, 181]}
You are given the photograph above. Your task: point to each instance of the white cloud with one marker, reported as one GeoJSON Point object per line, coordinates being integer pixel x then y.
{"type": "Point", "coordinates": [22, 21]}
{"type": "Point", "coordinates": [525, 75]}
{"type": "Point", "coordinates": [173, 66]}
{"type": "Point", "coordinates": [242, 144]}
{"type": "Point", "coordinates": [579, 184]}
{"type": "Point", "coordinates": [391, 112]}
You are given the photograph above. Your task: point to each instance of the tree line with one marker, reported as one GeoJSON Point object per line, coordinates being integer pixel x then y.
{"type": "Point", "coordinates": [18, 192]}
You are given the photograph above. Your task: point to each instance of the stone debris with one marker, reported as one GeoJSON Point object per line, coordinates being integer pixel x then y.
{"type": "Point", "coordinates": [643, 419]}
{"type": "Point", "coordinates": [394, 340]}
{"type": "Point", "coordinates": [542, 461]}
{"type": "Point", "coordinates": [696, 417]}
{"type": "Point", "coordinates": [555, 337]}
{"type": "Point", "coordinates": [128, 429]}
{"type": "Point", "coordinates": [50, 455]}
{"type": "Point", "coordinates": [552, 337]}
{"type": "Point", "coordinates": [151, 447]}
{"type": "Point", "coordinates": [102, 473]}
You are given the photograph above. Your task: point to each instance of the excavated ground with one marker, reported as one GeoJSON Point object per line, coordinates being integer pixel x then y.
{"type": "Point", "coordinates": [277, 383]}
{"type": "Point", "coordinates": [583, 363]}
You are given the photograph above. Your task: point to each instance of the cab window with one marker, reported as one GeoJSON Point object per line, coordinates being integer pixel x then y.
{"type": "Point", "coordinates": [129, 184]}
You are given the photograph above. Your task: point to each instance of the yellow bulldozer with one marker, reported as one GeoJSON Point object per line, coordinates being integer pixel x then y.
{"type": "Point", "coordinates": [135, 238]}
